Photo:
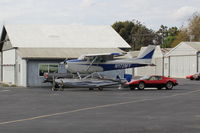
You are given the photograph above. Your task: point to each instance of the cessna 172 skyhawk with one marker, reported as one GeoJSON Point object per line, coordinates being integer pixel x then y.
{"type": "Point", "coordinates": [91, 64]}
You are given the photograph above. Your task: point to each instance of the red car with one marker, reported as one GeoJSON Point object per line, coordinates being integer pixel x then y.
{"type": "Point", "coordinates": [153, 82]}
{"type": "Point", "coordinates": [195, 76]}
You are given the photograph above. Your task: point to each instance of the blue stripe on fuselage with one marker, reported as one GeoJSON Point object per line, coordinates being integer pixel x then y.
{"type": "Point", "coordinates": [108, 67]}
{"type": "Point", "coordinates": [75, 60]}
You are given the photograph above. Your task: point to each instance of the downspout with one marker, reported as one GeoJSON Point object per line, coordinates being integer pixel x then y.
{"type": "Point", "coordinates": [15, 68]}
{"type": "Point", "coordinates": [1, 65]}
{"type": "Point", "coordinates": [163, 69]}
{"type": "Point", "coordinates": [169, 67]}
{"type": "Point", "coordinates": [27, 72]}
{"type": "Point", "coordinates": [198, 55]}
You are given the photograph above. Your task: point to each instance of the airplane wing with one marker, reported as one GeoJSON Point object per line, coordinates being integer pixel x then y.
{"type": "Point", "coordinates": [105, 54]}
{"type": "Point", "coordinates": [99, 58]}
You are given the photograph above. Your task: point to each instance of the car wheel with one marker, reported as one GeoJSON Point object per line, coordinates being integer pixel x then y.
{"type": "Point", "coordinates": [132, 87]}
{"type": "Point", "coordinates": [141, 86]}
{"type": "Point", "coordinates": [169, 85]}
{"type": "Point", "coordinates": [159, 88]}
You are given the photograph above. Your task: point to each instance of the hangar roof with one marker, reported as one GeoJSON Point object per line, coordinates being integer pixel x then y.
{"type": "Point", "coordinates": [61, 53]}
{"type": "Point", "coordinates": [64, 36]}
{"type": "Point", "coordinates": [185, 48]}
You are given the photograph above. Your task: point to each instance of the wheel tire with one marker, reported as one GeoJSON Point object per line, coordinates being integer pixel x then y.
{"type": "Point", "coordinates": [100, 88]}
{"type": "Point", "coordinates": [132, 87]}
{"type": "Point", "coordinates": [57, 86]}
{"type": "Point", "coordinates": [169, 85]}
{"type": "Point", "coordinates": [141, 86]}
{"type": "Point", "coordinates": [61, 89]}
{"type": "Point", "coordinates": [91, 89]}
{"type": "Point", "coordinates": [54, 89]}
{"type": "Point", "coordinates": [159, 88]}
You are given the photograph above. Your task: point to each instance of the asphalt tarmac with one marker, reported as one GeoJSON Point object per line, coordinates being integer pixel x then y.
{"type": "Point", "coordinates": [40, 110]}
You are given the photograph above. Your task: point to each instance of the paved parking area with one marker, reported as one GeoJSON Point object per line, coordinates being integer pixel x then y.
{"type": "Point", "coordinates": [31, 110]}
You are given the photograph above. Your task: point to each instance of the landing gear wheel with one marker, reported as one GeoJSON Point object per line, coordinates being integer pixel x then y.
{"type": "Point", "coordinates": [169, 85]}
{"type": "Point", "coordinates": [100, 89]}
{"type": "Point", "coordinates": [61, 88]}
{"type": "Point", "coordinates": [91, 89]}
{"type": "Point", "coordinates": [141, 86]}
{"type": "Point", "coordinates": [55, 87]}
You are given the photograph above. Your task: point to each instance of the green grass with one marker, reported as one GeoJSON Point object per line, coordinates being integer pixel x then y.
{"type": "Point", "coordinates": [4, 85]}
{"type": "Point", "coordinates": [7, 85]}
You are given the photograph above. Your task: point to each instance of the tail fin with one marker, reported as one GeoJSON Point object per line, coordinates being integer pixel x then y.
{"type": "Point", "coordinates": [147, 52]}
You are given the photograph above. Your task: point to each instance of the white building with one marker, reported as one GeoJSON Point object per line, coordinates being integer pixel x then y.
{"type": "Point", "coordinates": [182, 60]}
{"type": "Point", "coordinates": [27, 51]}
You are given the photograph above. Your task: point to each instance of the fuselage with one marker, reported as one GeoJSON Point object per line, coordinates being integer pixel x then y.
{"type": "Point", "coordinates": [84, 66]}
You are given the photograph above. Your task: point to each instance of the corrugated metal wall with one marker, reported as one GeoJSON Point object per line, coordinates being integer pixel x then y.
{"type": "Point", "coordinates": [180, 66]}
{"type": "Point", "coordinates": [9, 66]}
{"type": "Point", "coordinates": [0, 67]}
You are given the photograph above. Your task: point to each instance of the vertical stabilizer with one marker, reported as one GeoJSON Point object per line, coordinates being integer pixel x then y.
{"type": "Point", "coordinates": [148, 52]}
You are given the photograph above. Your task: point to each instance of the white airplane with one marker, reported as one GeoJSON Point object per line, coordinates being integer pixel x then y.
{"type": "Point", "coordinates": [93, 63]}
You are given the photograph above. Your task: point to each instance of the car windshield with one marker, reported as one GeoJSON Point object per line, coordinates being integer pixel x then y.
{"type": "Point", "coordinates": [145, 77]}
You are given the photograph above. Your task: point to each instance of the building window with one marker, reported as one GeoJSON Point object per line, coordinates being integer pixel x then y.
{"type": "Point", "coordinates": [47, 68]}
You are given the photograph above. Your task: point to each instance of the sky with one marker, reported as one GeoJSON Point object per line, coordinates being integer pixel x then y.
{"type": "Point", "coordinates": [151, 13]}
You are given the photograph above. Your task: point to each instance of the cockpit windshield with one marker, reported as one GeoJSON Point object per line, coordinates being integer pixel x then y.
{"type": "Point", "coordinates": [82, 57]}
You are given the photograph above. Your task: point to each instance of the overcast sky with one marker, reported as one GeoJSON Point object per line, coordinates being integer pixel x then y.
{"type": "Point", "coordinates": [151, 13]}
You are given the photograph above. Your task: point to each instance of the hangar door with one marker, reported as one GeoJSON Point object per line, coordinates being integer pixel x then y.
{"type": "Point", "coordinates": [180, 66]}
{"type": "Point", "coordinates": [36, 69]}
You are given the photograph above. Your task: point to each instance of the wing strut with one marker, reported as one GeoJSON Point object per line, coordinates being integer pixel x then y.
{"type": "Point", "coordinates": [91, 63]}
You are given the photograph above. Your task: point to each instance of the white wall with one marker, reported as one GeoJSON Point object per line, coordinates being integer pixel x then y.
{"type": "Point", "coordinates": [21, 72]}
{"type": "Point", "coordinates": [0, 66]}
{"type": "Point", "coordinates": [181, 66]}
{"type": "Point", "coordinates": [9, 66]}
{"type": "Point", "coordinates": [166, 66]}
{"type": "Point", "coordinates": [198, 63]}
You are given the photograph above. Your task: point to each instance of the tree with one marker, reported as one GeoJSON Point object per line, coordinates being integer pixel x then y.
{"type": "Point", "coordinates": [134, 33]}
{"type": "Point", "coordinates": [181, 37]}
{"type": "Point", "coordinates": [194, 27]}
{"type": "Point", "coordinates": [166, 35]}
{"type": "Point", "coordinates": [191, 32]}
